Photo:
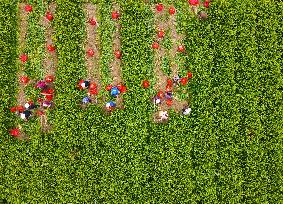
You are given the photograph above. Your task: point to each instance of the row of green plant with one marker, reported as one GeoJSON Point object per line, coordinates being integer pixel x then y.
{"type": "Point", "coordinates": [228, 149]}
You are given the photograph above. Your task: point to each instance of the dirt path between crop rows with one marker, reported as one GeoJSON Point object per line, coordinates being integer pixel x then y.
{"type": "Point", "coordinates": [115, 65]}
{"type": "Point", "coordinates": [176, 39]}
{"type": "Point", "coordinates": [50, 60]}
{"type": "Point", "coordinates": [92, 42]}
{"type": "Point", "coordinates": [23, 25]}
{"type": "Point", "coordinates": [161, 23]}
{"type": "Point", "coordinates": [160, 53]}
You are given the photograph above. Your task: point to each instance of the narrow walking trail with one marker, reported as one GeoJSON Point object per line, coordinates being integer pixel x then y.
{"type": "Point", "coordinates": [115, 65]}
{"type": "Point", "coordinates": [92, 45]}
{"type": "Point", "coordinates": [50, 60]}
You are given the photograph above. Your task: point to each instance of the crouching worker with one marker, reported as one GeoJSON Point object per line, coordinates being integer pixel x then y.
{"type": "Point", "coordinates": [160, 116]}
{"type": "Point", "coordinates": [30, 106]}
{"type": "Point", "coordinates": [46, 104]}
{"type": "Point", "coordinates": [84, 84]}
{"type": "Point", "coordinates": [110, 106]}
{"type": "Point", "coordinates": [25, 115]}
{"type": "Point", "coordinates": [86, 100]}
{"type": "Point", "coordinates": [186, 110]}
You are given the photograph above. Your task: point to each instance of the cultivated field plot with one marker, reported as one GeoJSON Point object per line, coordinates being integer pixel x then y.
{"type": "Point", "coordinates": [132, 101]}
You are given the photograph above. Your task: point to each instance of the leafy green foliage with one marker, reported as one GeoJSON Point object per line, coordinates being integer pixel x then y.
{"type": "Point", "coordinates": [229, 148]}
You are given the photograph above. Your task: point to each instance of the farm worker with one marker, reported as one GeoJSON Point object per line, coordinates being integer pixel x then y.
{"type": "Point", "coordinates": [30, 105]}
{"type": "Point", "coordinates": [46, 104]}
{"type": "Point", "coordinates": [86, 100]}
{"type": "Point", "coordinates": [163, 115]}
{"type": "Point", "coordinates": [186, 110]}
{"type": "Point", "coordinates": [25, 115]}
{"type": "Point", "coordinates": [156, 100]}
{"type": "Point", "coordinates": [115, 91]}
{"type": "Point", "coordinates": [84, 84]}
{"type": "Point", "coordinates": [41, 85]}
{"type": "Point", "coordinates": [110, 105]}
{"type": "Point", "coordinates": [202, 15]}
{"type": "Point", "coordinates": [176, 79]}
{"type": "Point", "coordinates": [168, 95]}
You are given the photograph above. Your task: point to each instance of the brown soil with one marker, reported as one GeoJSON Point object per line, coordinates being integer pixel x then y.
{"type": "Point", "coordinates": [45, 127]}
{"type": "Point", "coordinates": [176, 39]}
{"type": "Point", "coordinates": [50, 60]}
{"type": "Point", "coordinates": [162, 23]}
{"type": "Point", "coordinates": [194, 10]}
{"type": "Point", "coordinates": [159, 53]}
{"type": "Point", "coordinates": [115, 65]}
{"type": "Point", "coordinates": [161, 78]}
{"type": "Point", "coordinates": [23, 22]}
{"type": "Point", "coordinates": [92, 41]}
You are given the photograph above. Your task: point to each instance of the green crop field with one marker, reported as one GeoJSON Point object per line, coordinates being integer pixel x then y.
{"type": "Point", "coordinates": [227, 150]}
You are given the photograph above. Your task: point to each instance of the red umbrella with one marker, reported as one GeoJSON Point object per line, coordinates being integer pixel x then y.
{"type": "Point", "coordinates": [50, 91]}
{"type": "Point", "coordinates": [92, 86]}
{"type": "Point", "coordinates": [118, 54]}
{"type": "Point", "coordinates": [13, 109]}
{"type": "Point", "coordinates": [108, 87]}
{"type": "Point", "coordinates": [49, 97]}
{"type": "Point", "coordinates": [93, 91]}
{"type": "Point", "coordinates": [20, 108]}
